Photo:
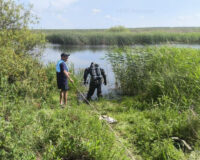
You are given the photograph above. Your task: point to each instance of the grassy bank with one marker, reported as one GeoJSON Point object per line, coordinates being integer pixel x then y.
{"type": "Point", "coordinates": [163, 102]}
{"type": "Point", "coordinates": [164, 85]}
{"type": "Point", "coordinates": [124, 37]}
{"type": "Point", "coordinates": [42, 130]}
{"type": "Point", "coordinates": [149, 128]}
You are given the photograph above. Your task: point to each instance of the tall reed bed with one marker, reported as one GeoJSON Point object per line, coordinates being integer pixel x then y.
{"type": "Point", "coordinates": [106, 37]}
{"type": "Point", "coordinates": [157, 71]}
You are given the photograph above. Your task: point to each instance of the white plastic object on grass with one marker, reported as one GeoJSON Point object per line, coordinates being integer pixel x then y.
{"type": "Point", "coordinates": [108, 119]}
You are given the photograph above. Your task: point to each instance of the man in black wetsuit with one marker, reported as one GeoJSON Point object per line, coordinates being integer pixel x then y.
{"type": "Point", "coordinates": [96, 75]}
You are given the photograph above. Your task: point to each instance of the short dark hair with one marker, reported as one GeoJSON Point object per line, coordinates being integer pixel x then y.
{"type": "Point", "coordinates": [65, 55]}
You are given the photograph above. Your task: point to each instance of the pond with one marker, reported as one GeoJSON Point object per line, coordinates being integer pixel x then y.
{"type": "Point", "coordinates": [82, 56]}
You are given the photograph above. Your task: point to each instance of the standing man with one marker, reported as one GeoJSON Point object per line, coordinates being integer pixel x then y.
{"type": "Point", "coordinates": [96, 74]}
{"type": "Point", "coordinates": [63, 75]}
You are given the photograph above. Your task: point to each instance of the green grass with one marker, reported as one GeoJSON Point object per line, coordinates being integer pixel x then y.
{"type": "Point", "coordinates": [164, 85]}
{"type": "Point", "coordinates": [149, 130]}
{"type": "Point", "coordinates": [124, 36]}
{"type": "Point", "coordinates": [35, 127]}
{"type": "Point", "coordinates": [33, 130]}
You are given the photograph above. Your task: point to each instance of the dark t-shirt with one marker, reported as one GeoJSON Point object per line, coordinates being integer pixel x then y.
{"type": "Point", "coordinates": [61, 77]}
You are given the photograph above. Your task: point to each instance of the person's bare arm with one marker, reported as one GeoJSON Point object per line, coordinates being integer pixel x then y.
{"type": "Point", "coordinates": [68, 75]}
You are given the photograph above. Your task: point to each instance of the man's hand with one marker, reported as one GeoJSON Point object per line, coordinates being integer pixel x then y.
{"type": "Point", "coordinates": [105, 83]}
{"type": "Point", "coordinates": [68, 76]}
{"type": "Point", "coordinates": [71, 80]}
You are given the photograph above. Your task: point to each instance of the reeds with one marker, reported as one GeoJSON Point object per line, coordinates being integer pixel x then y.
{"type": "Point", "coordinates": [158, 71]}
{"type": "Point", "coordinates": [107, 37]}
{"type": "Point", "coordinates": [163, 85]}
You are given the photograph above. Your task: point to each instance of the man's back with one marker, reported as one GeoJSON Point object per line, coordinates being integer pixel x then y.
{"type": "Point", "coordinates": [95, 72]}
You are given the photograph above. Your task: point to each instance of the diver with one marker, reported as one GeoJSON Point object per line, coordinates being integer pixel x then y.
{"type": "Point", "coordinates": [96, 76]}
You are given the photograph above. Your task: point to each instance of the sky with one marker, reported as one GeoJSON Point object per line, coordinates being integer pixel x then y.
{"type": "Point", "coordinates": [99, 14]}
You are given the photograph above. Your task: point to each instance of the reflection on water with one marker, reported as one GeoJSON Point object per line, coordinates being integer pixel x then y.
{"type": "Point", "coordinates": [72, 49]}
